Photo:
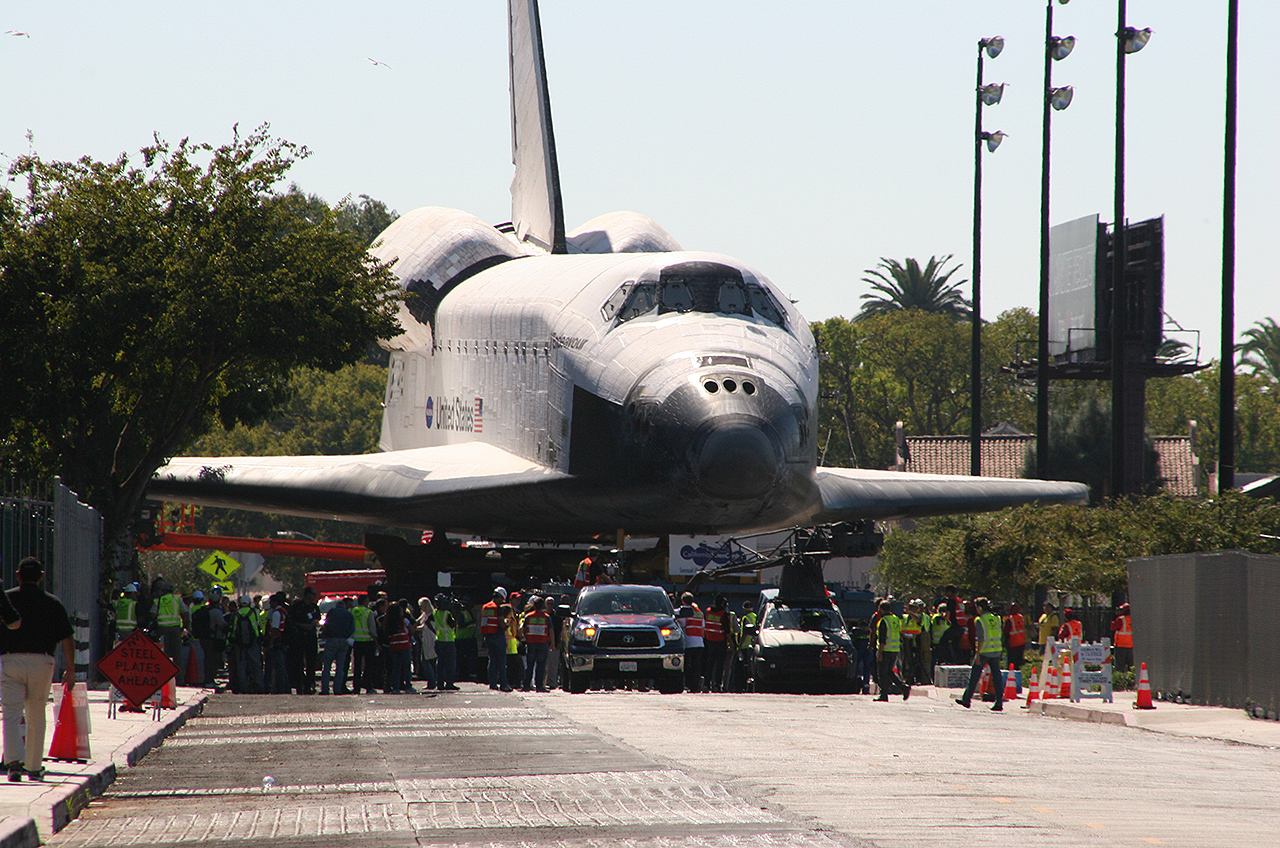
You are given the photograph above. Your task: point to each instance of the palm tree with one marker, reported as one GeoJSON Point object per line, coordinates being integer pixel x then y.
{"type": "Point", "coordinates": [897, 287]}
{"type": "Point", "coordinates": [1262, 348]}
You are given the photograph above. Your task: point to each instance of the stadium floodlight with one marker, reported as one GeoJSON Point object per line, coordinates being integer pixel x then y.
{"type": "Point", "coordinates": [1060, 48]}
{"type": "Point", "coordinates": [1136, 39]}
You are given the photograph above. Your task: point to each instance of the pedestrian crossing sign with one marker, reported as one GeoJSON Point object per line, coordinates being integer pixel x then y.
{"type": "Point", "coordinates": [219, 566]}
{"type": "Point", "coordinates": [227, 587]}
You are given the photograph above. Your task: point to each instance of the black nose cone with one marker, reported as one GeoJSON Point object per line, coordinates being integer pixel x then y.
{"type": "Point", "coordinates": [737, 462]}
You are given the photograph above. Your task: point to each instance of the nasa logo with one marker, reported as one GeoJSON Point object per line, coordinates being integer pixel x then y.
{"type": "Point", "coordinates": [704, 555]}
{"type": "Point", "coordinates": [430, 407]}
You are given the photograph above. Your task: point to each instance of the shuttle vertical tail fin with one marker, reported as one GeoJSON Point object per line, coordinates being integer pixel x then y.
{"type": "Point", "coordinates": [536, 209]}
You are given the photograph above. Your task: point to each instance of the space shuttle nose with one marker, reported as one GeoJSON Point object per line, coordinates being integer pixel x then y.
{"type": "Point", "coordinates": [737, 461]}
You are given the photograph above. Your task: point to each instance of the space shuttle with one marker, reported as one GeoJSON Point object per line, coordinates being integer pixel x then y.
{"type": "Point", "coordinates": [556, 385]}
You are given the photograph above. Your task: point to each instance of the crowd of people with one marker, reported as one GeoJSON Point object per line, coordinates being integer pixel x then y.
{"type": "Point", "coordinates": [347, 644]}
{"type": "Point", "coordinates": [372, 643]}
{"type": "Point", "coordinates": [899, 651]}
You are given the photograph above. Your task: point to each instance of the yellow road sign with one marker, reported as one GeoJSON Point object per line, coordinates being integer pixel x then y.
{"type": "Point", "coordinates": [219, 565]}
{"type": "Point", "coordinates": [227, 587]}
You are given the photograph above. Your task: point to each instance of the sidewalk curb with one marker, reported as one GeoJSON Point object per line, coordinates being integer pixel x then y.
{"type": "Point", "coordinates": [66, 800]}
{"type": "Point", "coordinates": [1079, 712]}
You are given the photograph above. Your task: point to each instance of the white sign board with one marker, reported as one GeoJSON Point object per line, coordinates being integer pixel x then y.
{"type": "Point", "coordinates": [1073, 265]}
{"type": "Point", "coordinates": [690, 554]}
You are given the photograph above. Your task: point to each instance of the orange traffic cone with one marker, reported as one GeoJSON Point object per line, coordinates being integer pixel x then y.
{"type": "Point", "coordinates": [1033, 690]}
{"type": "Point", "coordinates": [1049, 688]}
{"type": "Point", "coordinates": [984, 682]}
{"type": "Point", "coordinates": [1065, 690]}
{"type": "Point", "coordinates": [169, 695]}
{"type": "Point", "coordinates": [192, 677]}
{"type": "Point", "coordinates": [1010, 686]}
{"type": "Point", "coordinates": [1144, 691]}
{"type": "Point", "coordinates": [70, 740]}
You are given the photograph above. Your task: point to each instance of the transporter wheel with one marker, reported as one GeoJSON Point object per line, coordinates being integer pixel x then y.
{"type": "Point", "coordinates": [575, 684]}
{"type": "Point", "coordinates": [671, 684]}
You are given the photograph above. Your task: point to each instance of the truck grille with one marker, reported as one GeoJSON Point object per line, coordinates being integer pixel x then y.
{"type": "Point", "coordinates": [624, 637]}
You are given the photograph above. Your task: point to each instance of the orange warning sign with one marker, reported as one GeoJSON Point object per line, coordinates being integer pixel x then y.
{"type": "Point", "coordinates": [137, 667]}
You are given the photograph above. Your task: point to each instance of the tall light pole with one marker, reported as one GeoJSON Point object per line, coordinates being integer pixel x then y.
{"type": "Point", "coordinates": [1227, 380]}
{"type": "Point", "coordinates": [1055, 99]}
{"type": "Point", "coordinates": [1126, 414]}
{"type": "Point", "coordinates": [987, 95]}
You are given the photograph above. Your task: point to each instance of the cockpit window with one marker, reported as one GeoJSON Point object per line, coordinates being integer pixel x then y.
{"type": "Point", "coordinates": [764, 306]}
{"type": "Point", "coordinates": [675, 297]}
{"type": "Point", "coordinates": [615, 301]}
{"type": "Point", "coordinates": [642, 301]}
{"type": "Point", "coordinates": [732, 299]}
{"type": "Point", "coordinates": [694, 287]}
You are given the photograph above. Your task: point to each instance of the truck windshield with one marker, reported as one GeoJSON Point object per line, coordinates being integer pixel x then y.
{"type": "Point", "coordinates": [610, 602]}
{"type": "Point", "coordinates": [786, 618]}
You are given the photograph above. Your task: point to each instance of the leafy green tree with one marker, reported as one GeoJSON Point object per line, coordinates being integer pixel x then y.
{"type": "Point", "coordinates": [365, 218]}
{"type": "Point", "coordinates": [1173, 402]}
{"type": "Point", "coordinates": [1261, 349]}
{"type": "Point", "coordinates": [1080, 449]}
{"type": "Point", "coordinates": [325, 414]}
{"type": "Point", "coordinates": [1075, 549]}
{"type": "Point", "coordinates": [899, 287]}
{"type": "Point", "coordinates": [913, 366]}
{"type": "Point", "coordinates": [910, 366]}
{"type": "Point", "coordinates": [144, 304]}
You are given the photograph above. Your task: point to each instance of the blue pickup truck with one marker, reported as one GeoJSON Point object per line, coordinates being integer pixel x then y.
{"type": "Point", "coordinates": [627, 634]}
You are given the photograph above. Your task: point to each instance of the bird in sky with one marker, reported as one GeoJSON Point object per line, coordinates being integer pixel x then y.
{"type": "Point", "coordinates": [17, 32]}
{"type": "Point", "coordinates": [376, 62]}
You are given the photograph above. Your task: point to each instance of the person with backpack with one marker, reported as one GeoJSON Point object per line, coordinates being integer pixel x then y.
{"type": "Point", "coordinates": [246, 649]}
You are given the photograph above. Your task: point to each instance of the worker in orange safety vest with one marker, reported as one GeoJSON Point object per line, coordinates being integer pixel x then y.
{"type": "Point", "coordinates": [1122, 639]}
{"type": "Point", "coordinates": [493, 630]}
{"type": "Point", "coordinates": [715, 638]}
{"type": "Point", "coordinates": [1071, 627]}
{"type": "Point", "coordinates": [691, 622]}
{"type": "Point", "coordinates": [1015, 634]}
{"type": "Point", "coordinates": [583, 577]}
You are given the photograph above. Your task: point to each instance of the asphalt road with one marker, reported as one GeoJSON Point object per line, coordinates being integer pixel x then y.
{"type": "Point", "coordinates": [642, 769]}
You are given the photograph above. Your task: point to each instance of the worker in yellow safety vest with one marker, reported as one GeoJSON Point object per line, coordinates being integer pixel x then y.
{"type": "Point", "coordinates": [127, 612]}
{"type": "Point", "coordinates": [171, 616]}
{"type": "Point", "coordinates": [990, 633]}
{"type": "Point", "coordinates": [888, 646]}
{"type": "Point", "coordinates": [446, 643]}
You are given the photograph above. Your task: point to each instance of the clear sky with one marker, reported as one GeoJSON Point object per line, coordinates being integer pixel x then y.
{"type": "Point", "coordinates": [808, 139]}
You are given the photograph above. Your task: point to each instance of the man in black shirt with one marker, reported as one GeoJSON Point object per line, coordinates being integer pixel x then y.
{"type": "Point", "coordinates": [27, 672]}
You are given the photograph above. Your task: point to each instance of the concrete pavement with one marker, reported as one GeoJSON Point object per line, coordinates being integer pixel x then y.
{"type": "Point", "coordinates": [928, 772]}
{"type": "Point", "coordinates": [1221, 723]}
{"type": "Point", "coordinates": [897, 774]}
{"type": "Point", "coordinates": [32, 812]}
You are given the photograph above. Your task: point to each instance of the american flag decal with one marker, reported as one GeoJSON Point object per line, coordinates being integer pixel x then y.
{"type": "Point", "coordinates": [479, 416]}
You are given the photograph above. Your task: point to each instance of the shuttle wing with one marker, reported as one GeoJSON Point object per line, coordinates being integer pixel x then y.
{"type": "Point", "coordinates": [449, 484]}
{"type": "Point", "coordinates": [856, 493]}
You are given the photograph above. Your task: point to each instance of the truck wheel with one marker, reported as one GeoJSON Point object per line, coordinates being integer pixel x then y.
{"type": "Point", "coordinates": [671, 684]}
{"type": "Point", "coordinates": [575, 684]}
